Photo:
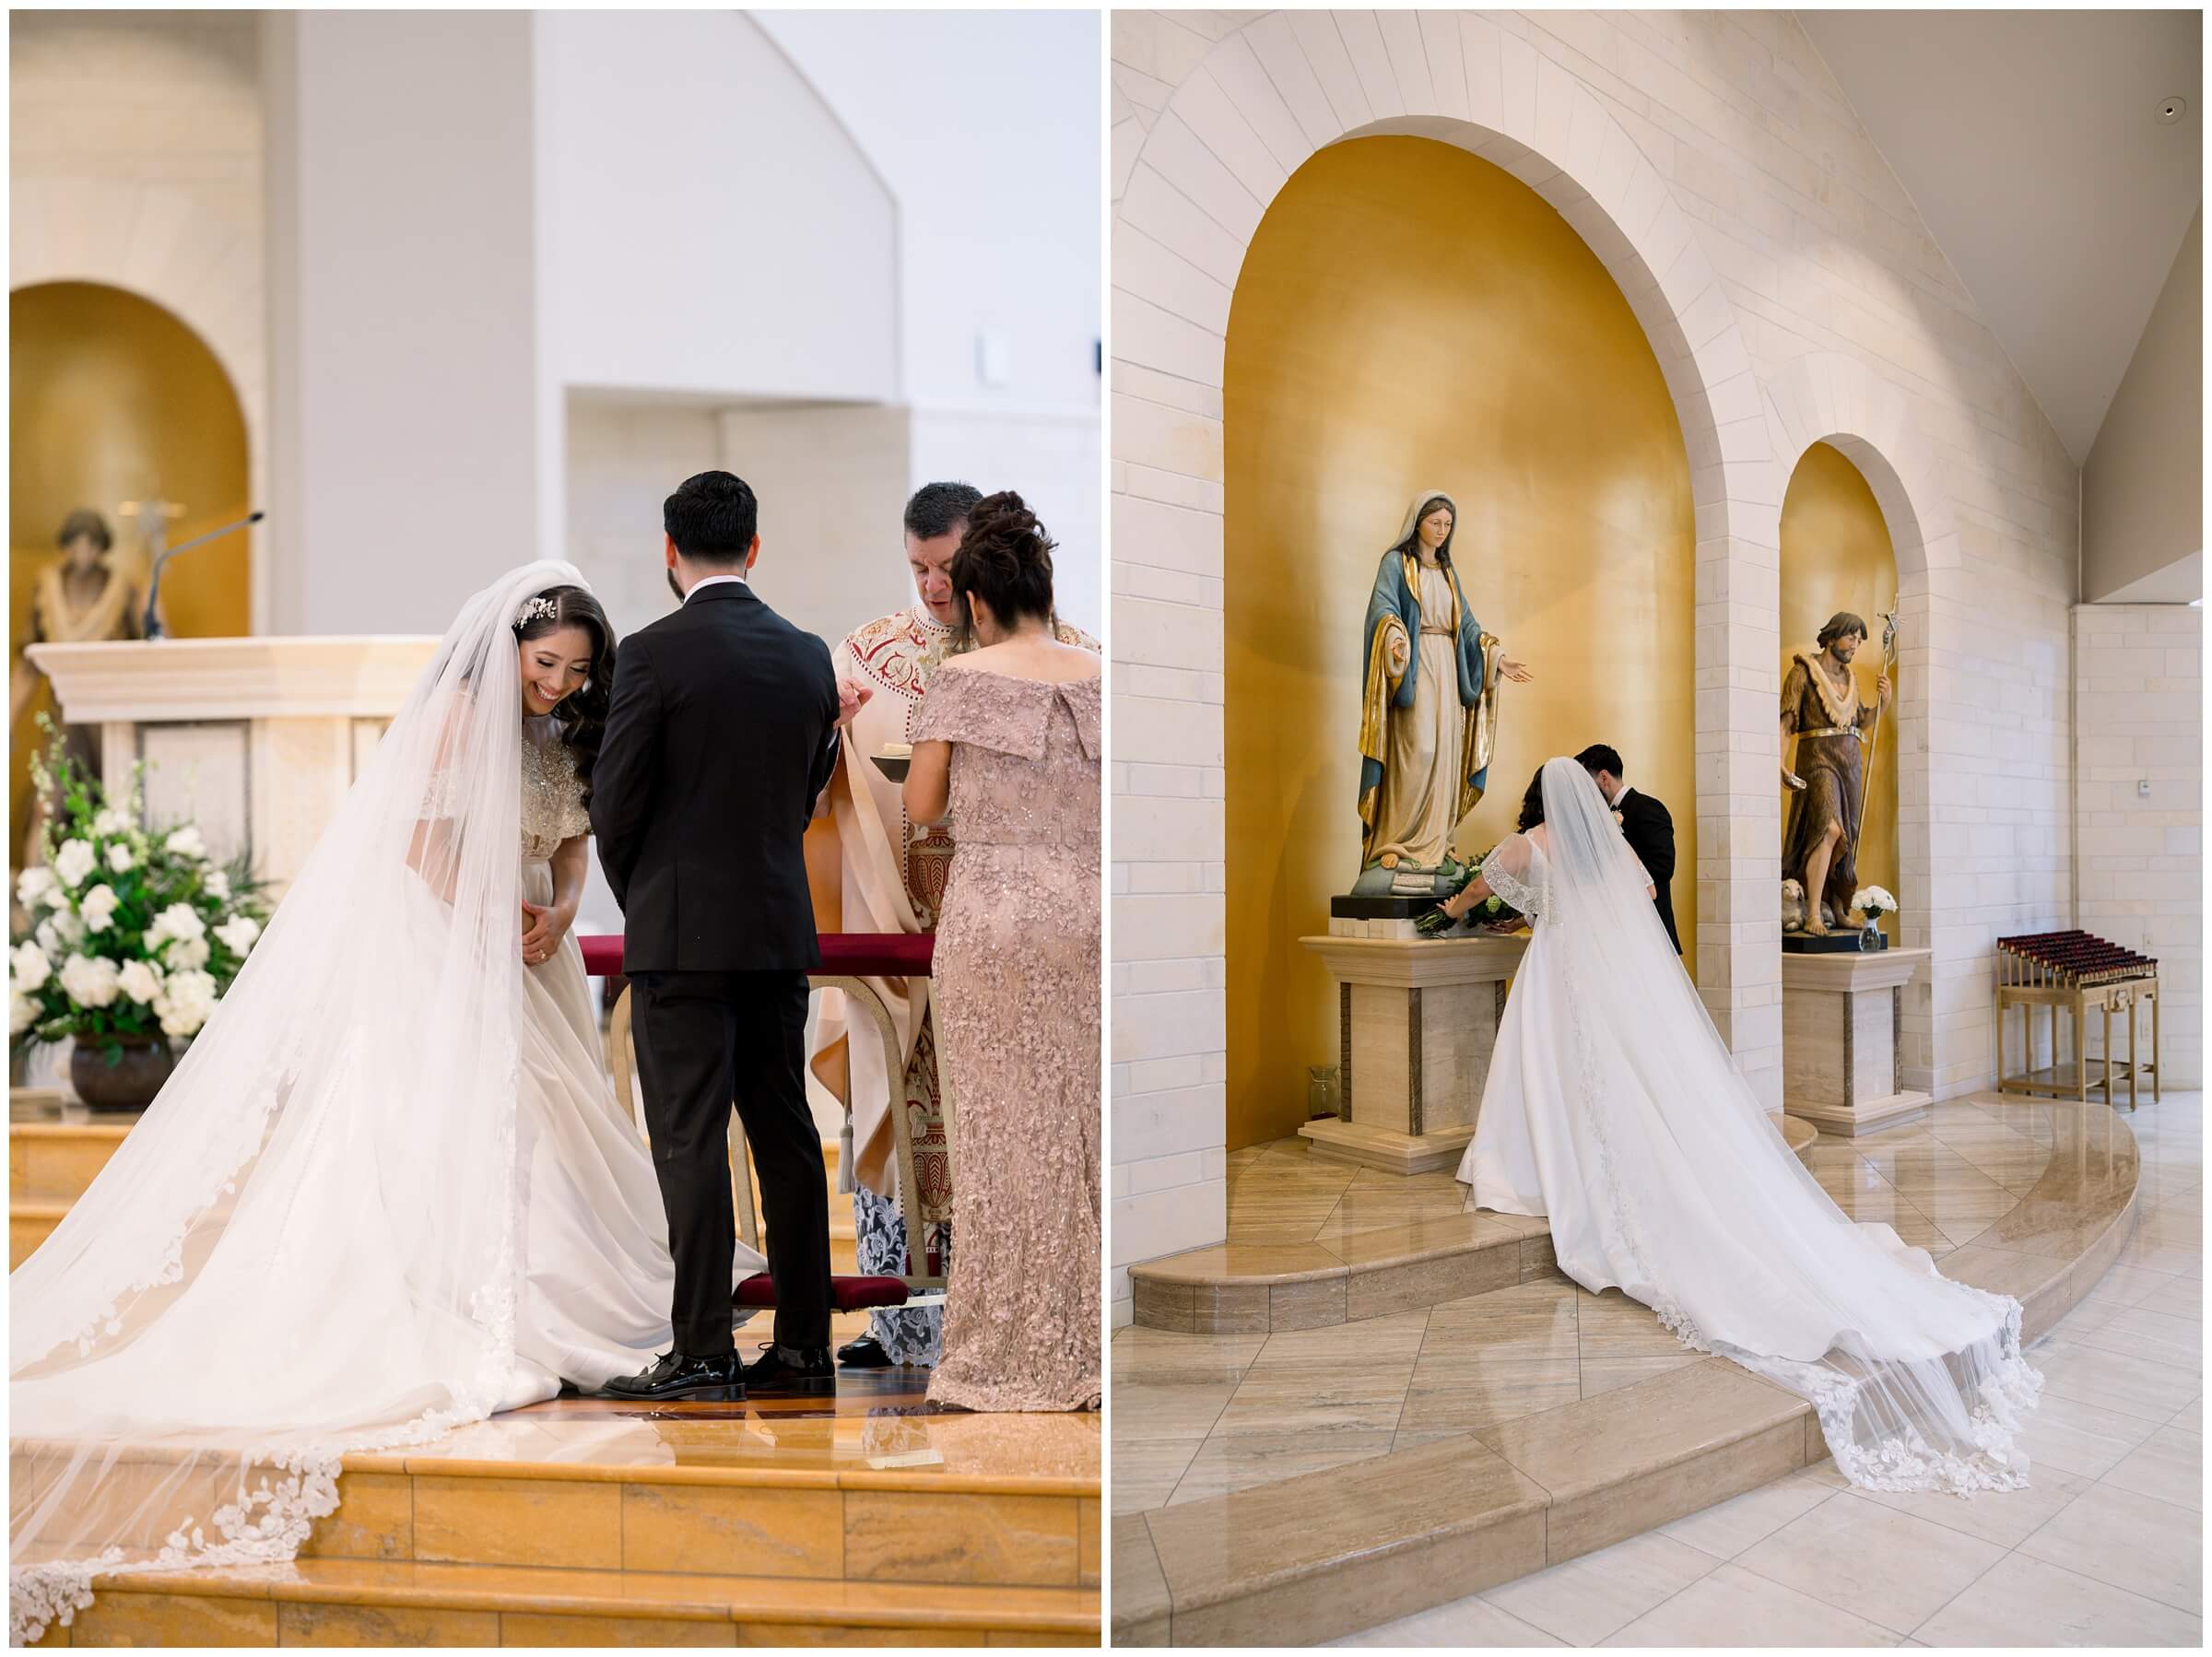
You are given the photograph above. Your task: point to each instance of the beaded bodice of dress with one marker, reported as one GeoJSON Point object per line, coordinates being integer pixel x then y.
{"type": "Point", "coordinates": [553, 809]}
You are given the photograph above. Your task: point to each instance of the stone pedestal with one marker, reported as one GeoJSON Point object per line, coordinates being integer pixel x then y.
{"type": "Point", "coordinates": [1841, 1019]}
{"type": "Point", "coordinates": [256, 740]}
{"type": "Point", "coordinates": [1417, 1020]}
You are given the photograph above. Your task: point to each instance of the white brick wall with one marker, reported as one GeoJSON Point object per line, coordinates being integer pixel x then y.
{"type": "Point", "coordinates": [135, 153]}
{"type": "Point", "coordinates": [2139, 867]}
{"type": "Point", "coordinates": [1791, 295]}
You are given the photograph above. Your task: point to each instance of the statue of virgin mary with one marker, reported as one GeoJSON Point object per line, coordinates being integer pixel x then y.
{"type": "Point", "coordinates": [1428, 708]}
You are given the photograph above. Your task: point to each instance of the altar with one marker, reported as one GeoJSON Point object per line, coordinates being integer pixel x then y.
{"type": "Point", "coordinates": [256, 740]}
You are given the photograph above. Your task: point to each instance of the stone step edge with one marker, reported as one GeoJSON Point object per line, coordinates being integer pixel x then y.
{"type": "Point", "coordinates": [888, 1480]}
{"type": "Point", "coordinates": [704, 1598]}
{"type": "Point", "coordinates": [1162, 1270]}
{"type": "Point", "coordinates": [2042, 1306]}
{"type": "Point", "coordinates": [897, 1481]}
{"type": "Point", "coordinates": [1164, 1274]}
{"type": "Point", "coordinates": [1279, 1579]}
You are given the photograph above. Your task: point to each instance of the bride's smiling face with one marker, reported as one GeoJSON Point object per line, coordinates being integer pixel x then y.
{"type": "Point", "coordinates": [554, 667]}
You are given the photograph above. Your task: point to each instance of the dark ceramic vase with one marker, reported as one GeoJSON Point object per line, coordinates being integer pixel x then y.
{"type": "Point", "coordinates": [131, 1083]}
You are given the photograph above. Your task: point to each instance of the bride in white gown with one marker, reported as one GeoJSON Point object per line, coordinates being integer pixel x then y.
{"type": "Point", "coordinates": [1613, 1111]}
{"type": "Point", "coordinates": [388, 1190]}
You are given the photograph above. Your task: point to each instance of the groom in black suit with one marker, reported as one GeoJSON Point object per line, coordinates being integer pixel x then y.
{"type": "Point", "coordinates": [1644, 821]}
{"type": "Point", "coordinates": [722, 735]}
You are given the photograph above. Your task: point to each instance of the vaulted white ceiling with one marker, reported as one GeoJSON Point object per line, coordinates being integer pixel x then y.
{"type": "Point", "coordinates": [2029, 142]}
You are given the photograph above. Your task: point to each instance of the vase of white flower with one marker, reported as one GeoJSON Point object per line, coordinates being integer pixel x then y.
{"type": "Point", "coordinates": [1873, 902]}
{"type": "Point", "coordinates": [132, 938]}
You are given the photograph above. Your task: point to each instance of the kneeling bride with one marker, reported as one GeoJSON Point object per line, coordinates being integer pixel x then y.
{"type": "Point", "coordinates": [388, 1190]}
{"type": "Point", "coordinates": [1613, 1110]}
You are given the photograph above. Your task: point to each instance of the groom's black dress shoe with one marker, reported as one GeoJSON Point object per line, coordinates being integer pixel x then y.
{"type": "Point", "coordinates": [786, 1369]}
{"type": "Point", "coordinates": [866, 1353]}
{"type": "Point", "coordinates": [719, 1379]}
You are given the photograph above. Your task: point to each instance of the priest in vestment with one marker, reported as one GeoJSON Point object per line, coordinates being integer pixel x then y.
{"type": "Point", "coordinates": [893, 881]}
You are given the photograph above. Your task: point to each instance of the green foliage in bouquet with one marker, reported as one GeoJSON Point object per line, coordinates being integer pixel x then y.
{"type": "Point", "coordinates": [124, 932]}
{"type": "Point", "coordinates": [1492, 910]}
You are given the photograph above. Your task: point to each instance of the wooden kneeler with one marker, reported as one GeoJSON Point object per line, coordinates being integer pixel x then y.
{"type": "Point", "coordinates": [849, 960]}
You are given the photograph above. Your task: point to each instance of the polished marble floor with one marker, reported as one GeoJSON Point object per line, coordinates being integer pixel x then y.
{"type": "Point", "coordinates": [1200, 1415]}
{"type": "Point", "coordinates": [2104, 1548]}
{"type": "Point", "coordinates": [879, 1421]}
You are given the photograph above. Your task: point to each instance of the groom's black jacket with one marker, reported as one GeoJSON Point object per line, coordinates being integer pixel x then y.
{"type": "Point", "coordinates": [720, 739]}
{"type": "Point", "coordinates": [1651, 835]}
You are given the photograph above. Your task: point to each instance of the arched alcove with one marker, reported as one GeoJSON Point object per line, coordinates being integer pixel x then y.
{"type": "Point", "coordinates": [1410, 316]}
{"type": "Point", "coordinates": [1824, 399]}
{"type": "Point", "coordinates": [112, 398]}
{"type": "Point", "coordinates": [1837, 555]}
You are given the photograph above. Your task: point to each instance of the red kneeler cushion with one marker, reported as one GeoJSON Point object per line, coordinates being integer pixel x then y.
{"type": "Point", "coordinates": [845, 955]}
{"type": "Point", "coordinates": [846, 1293]}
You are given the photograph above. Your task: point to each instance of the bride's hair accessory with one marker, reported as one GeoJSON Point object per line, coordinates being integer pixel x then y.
{"type": "Point", "coordinates": [540, 608]}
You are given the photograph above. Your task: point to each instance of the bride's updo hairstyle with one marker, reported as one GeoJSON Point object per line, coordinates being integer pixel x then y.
{"type": "Point", "coordinates": [1532, 803]}
{"type": "Point", "coordinates": [583, 715]}
{"type": "Point", "coordinates": [1007, 558]}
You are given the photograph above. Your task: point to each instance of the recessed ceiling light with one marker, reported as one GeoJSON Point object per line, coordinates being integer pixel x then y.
{"type": "Point", "coordinates": [2169, 110]}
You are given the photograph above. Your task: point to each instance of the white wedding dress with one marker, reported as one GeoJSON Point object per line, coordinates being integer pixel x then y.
{"type": "Point", "coordinates": [1613, 1111]}
{"type": "Point", "coordinates": [388, 1190]}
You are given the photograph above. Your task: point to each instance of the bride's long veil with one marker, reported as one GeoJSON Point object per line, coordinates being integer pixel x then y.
{"type": "Point", "coordinates": [306, 1245]}
{"type": "Point", "coordinates": [1918, 1381]}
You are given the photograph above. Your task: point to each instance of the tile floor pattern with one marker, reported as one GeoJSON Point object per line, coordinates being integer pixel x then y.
{"type": "Point", "coordinates": [2104, 1548]}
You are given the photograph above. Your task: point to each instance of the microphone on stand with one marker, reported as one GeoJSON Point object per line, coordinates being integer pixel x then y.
{"type": "Point", "coordinates": [152, 626]}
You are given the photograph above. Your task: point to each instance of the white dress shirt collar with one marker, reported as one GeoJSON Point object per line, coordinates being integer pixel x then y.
{"type": "Point", "coordinates": [714, 581]}
{"type": "Point", "coordinates": [1620, 794]}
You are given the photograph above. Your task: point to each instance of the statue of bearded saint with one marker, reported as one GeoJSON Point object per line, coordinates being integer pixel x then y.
{"type": "Point", "coordinates": [1428, 709]}
{"type": "Point", "coordinates": [1821, 708]}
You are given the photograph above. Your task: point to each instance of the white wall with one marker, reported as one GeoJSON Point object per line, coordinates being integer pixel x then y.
{"type": "Point", "coordinates": [2143, 489]}
{"type": "Point", "coordinates": [2138, 719]}
{"type": "Point", "coordinates": [1713, 163]}
{"type": "Point", "coordinates": [831, 482]}
{"type": "Point", "coordinates": [1055, 462]}
{"type": "Point", "coordinates": [406, 375]}
{"type": "Point", "coordinates": [711, 226]}
{"type": "Point", "coordinates": [986, 126]}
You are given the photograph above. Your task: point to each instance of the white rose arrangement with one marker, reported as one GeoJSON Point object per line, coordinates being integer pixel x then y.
{"type": "Point", "coordinates": [129, 935]}
{"type": "Point", "coordinates": [1871, 900]}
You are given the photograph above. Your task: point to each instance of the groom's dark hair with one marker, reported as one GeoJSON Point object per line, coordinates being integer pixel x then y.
{"type": "Point", "coordinates": [713, 518]}
{"type": "Point", "coordinates": [1599, 757]}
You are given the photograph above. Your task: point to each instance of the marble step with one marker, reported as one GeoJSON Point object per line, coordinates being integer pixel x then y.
{"type": "Point", "coordinates": [1329, 1553]}
{"type": "Point", "coordinates": [1253, 1288]}
{"type": "Point", "coordinates": [856, 1489]}
{"type": "Point", "coordinates": [770, 1502]}
{"type": "Point", "coordinates": [354, 1602]}
{"type": "Point", "coordinates": [1345, 1275]}
{"type": "Point", "coordinates": [55, 1161]}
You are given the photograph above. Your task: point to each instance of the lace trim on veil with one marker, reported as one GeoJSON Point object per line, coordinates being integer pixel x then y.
{"type": "Point", "coordinates": [271, 1526]}
{"type": "Point", "coordinates": [271, 1481]}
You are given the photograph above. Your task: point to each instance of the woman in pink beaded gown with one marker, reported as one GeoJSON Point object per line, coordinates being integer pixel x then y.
{"type": "Point", "coordinates": [1007, 742]}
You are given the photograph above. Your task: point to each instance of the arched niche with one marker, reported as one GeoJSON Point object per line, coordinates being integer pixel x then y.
{"type": "Point", "coordinates": [1837, 555]}
{"type": "Point", "coordinates": [112, 398]}
{"type": "Point", "coordinates": [1409, 316]}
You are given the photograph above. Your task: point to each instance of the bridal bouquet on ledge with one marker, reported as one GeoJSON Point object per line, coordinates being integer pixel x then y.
{"type": "Point", "coordinates": [130, 937]}
{"type": "Point", "coordinates": [1493, 912]}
